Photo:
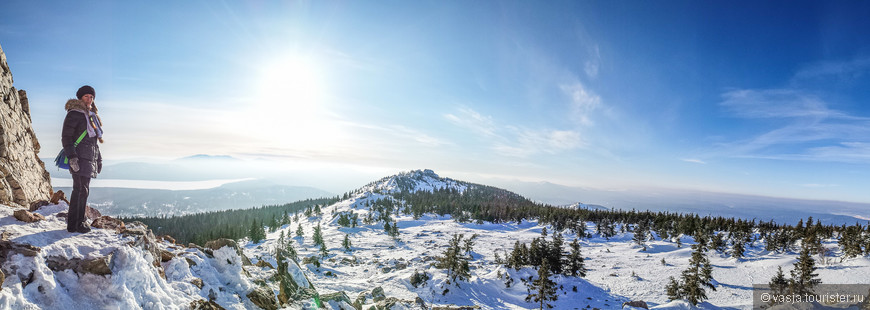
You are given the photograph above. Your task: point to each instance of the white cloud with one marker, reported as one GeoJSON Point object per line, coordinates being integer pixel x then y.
{"type": "Point", "coordinates": [837, 68]}
{"type": "Point", "coordinates": [694, 161]}
{"type": "Point", "coordinates": [776, 103]}
{"type": "Point", "coordinates": [594, 63]}
{"type": "Point", "coordinates": [583, 102]}
{"type": "Point", "coordinates": [809, 129]}
{"type": "Point", "coordinates": [514, 141]}
{"type": "Point", "coordinates": [470, 119]}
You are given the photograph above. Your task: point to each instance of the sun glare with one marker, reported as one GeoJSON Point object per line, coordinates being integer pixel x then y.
{"type": "Point", "coordinates": [289, 106]}
{"type": "Point", "coordinates": [292, 87]}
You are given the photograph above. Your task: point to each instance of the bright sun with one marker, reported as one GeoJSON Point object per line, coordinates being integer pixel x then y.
{"type": "Point", "coordinates": [292, 87]}
{"type": "Point", "coordinates": [289, 107]}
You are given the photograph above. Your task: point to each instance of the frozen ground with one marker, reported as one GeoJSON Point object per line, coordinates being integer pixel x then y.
{"type": "Point", "coordinates": [619, 270]}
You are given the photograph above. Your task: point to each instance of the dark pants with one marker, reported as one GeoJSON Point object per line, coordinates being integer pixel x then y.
{"type": "Point", "coordinates": [78, 201]}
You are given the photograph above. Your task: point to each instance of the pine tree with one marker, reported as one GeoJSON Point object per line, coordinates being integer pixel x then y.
{"type": "Point", "coordinates": [318, 235]}
{"type": "Point", "coordinates": [641, 234]}
{"type": "Point", "coordinates": [323, 251]}
{"type": "Point", "coordinates": [545, 289]}
{"type": "Point", "coordinates": [454, 261]}
{"type": "Point", "coordinates": [273, 224]}
{"type": "Point", "coordinates": [257, 233]}
{"type": "Point", "coordinates": [673, 290]}
{"type": "Point", "coordinates": [517, 259]}
{"type": "Point", "coordinates": [299, 232]}
{"type": "Point", "coordinates": [575, 264]}
{"type": "Point", "coordinates": [803, 278]}
{"type": "Point", "coordinates": [346, 243]}
{"type": "Point", "coordinates": [718, 243]}
{"type": "Point", "coordinates": [554, 257]}
{"type": "Point", "coordinates": [698, 276]}
{"type": "Point", "coordinates": [737, 249]}
{"type": "Point", "coordinates": [778, 285]}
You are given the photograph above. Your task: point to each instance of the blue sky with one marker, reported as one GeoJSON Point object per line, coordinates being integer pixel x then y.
{"type": "Point", "coordinates": [766, 98]}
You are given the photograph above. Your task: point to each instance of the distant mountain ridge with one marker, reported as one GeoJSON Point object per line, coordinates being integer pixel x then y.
{"type": "Point", "coordinates": [159, 202]}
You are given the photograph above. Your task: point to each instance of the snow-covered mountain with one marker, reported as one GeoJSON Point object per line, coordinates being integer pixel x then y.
{"type": "Point", "coordinates": [413, 181]}
{"type": "Point", "coordinates": [379, 268]}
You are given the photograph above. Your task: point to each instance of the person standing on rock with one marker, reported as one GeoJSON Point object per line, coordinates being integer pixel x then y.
{"type": "Point", "coordinates": [85, 161]}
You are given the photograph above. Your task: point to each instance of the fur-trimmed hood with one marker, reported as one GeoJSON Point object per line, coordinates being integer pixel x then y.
{"type": "Point", "coordinates": [94, 127]}
{"type": "Point", "coordinates": [75, 104]}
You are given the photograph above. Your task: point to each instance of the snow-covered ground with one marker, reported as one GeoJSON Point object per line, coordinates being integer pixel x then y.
{"type": "Point", "coordinates": [619, 270]}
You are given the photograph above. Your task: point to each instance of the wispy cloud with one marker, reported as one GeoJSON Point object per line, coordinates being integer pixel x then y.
{"type": "Point", "coordinates": [470, 119]}
{"type": "Point", "coordinates": [515, 141]}
{"type": "Point", "coordinates": [583, 102]}
{"type": "Point", "coordinates": [809, 128]}
{"type": "Point", "coordinates": [594, 63]}
{"type": "Point", "coordinates": [857, 66]}
{"type": "Point", "coordinates": [694, 161]}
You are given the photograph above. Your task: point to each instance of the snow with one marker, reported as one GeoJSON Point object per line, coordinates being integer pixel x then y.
{"type": "Point", "coordinates": [135, 283]}
{"type": "Point", "coordinates": [619, 270]}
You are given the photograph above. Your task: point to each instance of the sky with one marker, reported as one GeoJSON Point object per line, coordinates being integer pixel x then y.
{"type": "Point", "coordinates": [763, 98]}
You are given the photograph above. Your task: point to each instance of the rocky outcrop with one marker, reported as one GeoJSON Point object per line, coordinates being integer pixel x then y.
{"type": "Point", "coordinates": [263, 298]}
{"type": "Point", "coordinates": [205, 305]}
{"type": "Point", "coordinates": [110, 223]}
{"type": "Point", "coordinates": [97, 266]}
{"type": "Point", "coordinates": [27, 216]}
{"type": "Point", "coordinates": [636, 304]}
{"type": "Point", "coordinates": [23, 178]}
{"type": "Point", "coordinates": [222, 242]}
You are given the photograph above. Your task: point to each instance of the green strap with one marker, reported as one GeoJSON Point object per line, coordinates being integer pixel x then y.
{"type": "Point", "coordinates": [80, 138]}
{"type": "Point", "coordinates": [84, 133]}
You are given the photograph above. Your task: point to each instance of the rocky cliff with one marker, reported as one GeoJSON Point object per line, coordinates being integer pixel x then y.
{"type": "Point", "coordinates": [23, 178]}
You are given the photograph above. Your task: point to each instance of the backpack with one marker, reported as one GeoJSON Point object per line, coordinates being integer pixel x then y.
{"type": "Point", "coordinates": [61, 161]}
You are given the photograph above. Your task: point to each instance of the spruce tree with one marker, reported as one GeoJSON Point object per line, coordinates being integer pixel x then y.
{"type": "Point", "coordinates": [803, 277]}
{"type": "Point", "coordinates": [517, 259]}
{"type": "Point", "coordinates": [554, 256]}
{"type": "Point", "coordinates": [575, 265]}
{"type": "Point", "coordinates": [323, 251]}
{"type": "Point", "coordinates": [454, 261]}
{"type": "Point", "coordinates": [778, 285]}
{"type": "Point", "coordinates": [737, 249]}
{"type": "Point", "coordinates": [346, 243]}
{"type": "Point", "coordinates": [673, 289]}
{"type": "Point", "coordinates": [318, 235]}
{"type": "Point", "coordinates": [718, 243]}
{"type": "Point", "coordinates": [545, 289]}
{"type": "Point", "coordinates": [299, 232]}
{"type": "Point", "coordinates": [697, 277]}
{"type": "Point", "coordinates": [641, 235]}
{"type": "Point", "coordinates": [257, 233]}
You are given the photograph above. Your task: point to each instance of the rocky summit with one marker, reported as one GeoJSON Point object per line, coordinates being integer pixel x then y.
{"type": "Point", "coordinates": [23, 178]}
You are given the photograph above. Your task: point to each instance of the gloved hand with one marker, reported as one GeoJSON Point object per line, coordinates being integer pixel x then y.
{"type": "Point", "coordinates": [74, 164]}
{"type": "Point", "coordinates": [99, 166]}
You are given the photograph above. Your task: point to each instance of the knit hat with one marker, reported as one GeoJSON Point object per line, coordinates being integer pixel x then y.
{"type": "Point", "coordinates": [84, 90]}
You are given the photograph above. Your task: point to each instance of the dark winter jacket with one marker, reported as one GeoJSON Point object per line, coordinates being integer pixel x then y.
{"type": "Point", "coordinates": [87, 151]}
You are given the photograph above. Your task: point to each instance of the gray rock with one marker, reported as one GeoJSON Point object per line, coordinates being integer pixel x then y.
{"type": "Point", "coordinates": [202, 304]}
{"type": "Point", "coordinates": [263, 298]}
{"type": "Point", "coordinates": [97, 266]}
{"type": "Point", "coordinates": [23, 177]}
{"type": "Point", "coordinates": [378, 294]}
